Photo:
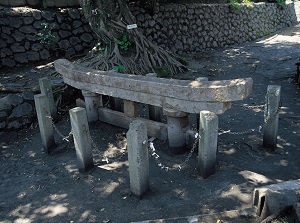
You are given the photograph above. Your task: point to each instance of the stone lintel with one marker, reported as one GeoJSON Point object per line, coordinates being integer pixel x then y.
{"type": "Point", "coordinates": [152, 99]}
{"type": "Point", "coordinates": [208, 91]}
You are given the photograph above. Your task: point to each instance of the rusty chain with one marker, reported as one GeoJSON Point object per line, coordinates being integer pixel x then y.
{"type": "Point", "coordinates": [65, 138]}
{"type": "Point", "coordinates": [250, 106]}
{"type": "Point", "coordinates": [158, 161]}
{"type": "Point", "coordinates": [267, 119]}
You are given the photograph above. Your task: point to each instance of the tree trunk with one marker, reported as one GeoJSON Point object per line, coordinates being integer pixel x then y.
{"type": "Point", "coordinates": [122, 49]}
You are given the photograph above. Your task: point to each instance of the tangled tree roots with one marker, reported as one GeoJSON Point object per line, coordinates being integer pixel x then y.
{"type": "Point", "coordinates": [146, 60]}
{"type": "Point", "coordinates": [141, 57]}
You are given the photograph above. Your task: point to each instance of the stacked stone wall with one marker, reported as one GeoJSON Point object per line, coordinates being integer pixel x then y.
{"type": "Point", "coordinates": [21, 44]}
{"type": "Point", "coordinates": [190, 28]}
{"type": "Point", "coordinates": [17, 111]}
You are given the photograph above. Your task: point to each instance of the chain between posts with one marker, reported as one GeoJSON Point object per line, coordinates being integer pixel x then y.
{"type": "Point", "coordinates": [65, 138]}
{"type": "Point", "coordinates": [251, 106]}
{"type": "Point", "coordinates": [158, 161]}
{"type": "Point", "coordinates": [267, 119]}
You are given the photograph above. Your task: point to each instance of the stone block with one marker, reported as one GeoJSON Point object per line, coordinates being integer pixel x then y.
{"type": "Point", "coordinates": [21, 110]}
{"type": "Point", "coordinates": [274, 198]}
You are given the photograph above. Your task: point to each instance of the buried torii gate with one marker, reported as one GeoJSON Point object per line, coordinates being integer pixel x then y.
{"type": "Point", "coordinates": [178, 98]}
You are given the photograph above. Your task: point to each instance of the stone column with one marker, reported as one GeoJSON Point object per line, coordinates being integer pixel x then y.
{"type": "Point", "coordinates": [92, 101]}
{"type": "Point", "coordinates": [178, 124]}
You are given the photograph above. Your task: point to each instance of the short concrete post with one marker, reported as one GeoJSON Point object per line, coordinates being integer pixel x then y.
{"type": "Point", "coordinates": [178, 124]}
{"type": "Point", "coordinates": [207, 149]}
{"type": "Point", "coordinates": [138, 157]}
{"type": "Point", "coordinates": [46, 88]}
{"type": "Point", "coordinates": [82, 139]}
{"type": "Point", "coordinates": [130, 108]}
{"type": "Point", "coordinates": [271, 116]}
{"type": "Point", "coordinates": [45, 122]}
{"type": "Point", "coordinates": [155, 113]}
{"type": "Point", "coordinates": [92, 101]}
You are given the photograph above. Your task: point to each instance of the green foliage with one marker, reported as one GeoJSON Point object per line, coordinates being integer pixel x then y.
{"type": "Point", "coordinates": [235, 5]}
{"type": "Point", "coordinates": [281, 2]}
{"type": "Point", "coordinates": [119, 68]}
{"type": "Point", "coordinates": [124, 42]}
{"type": "Point", "coordinates": [46, 36]}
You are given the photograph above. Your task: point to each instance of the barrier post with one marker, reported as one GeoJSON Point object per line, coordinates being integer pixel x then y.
{"type": "Point", "coordinates": [207, 149]}
{"type": "Point", "coordinates": [138, 157]}
{"type": "Point", "coordinates": [271, 116]}
{"type": "Point", "coordinates": [46, 89]}
{"type": "Point", "coordinates": [45, 122]}
{"type": "Point", "coordinates": [82, 138]}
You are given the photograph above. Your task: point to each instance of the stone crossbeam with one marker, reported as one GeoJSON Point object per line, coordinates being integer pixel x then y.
{"type": "Point", "coordinates": [182, 95]}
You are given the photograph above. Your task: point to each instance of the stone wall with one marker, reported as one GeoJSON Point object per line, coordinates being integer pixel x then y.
{"type": "Point", "coordinates": [16, 111]}
{"type": "Point", "coordinates": [189, 28]}
{"type": "Point", "coordinates": [20, 43]}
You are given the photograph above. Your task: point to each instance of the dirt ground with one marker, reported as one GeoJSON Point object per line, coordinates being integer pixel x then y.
{"type": "Point", "coordinates": [36, 187]}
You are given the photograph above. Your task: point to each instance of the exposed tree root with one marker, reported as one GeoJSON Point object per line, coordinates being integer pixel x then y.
{"type": "Point", "coordinates": [109, 20]}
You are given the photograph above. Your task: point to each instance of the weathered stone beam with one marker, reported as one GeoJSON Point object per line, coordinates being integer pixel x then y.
{"type": "Point", "coordinates": [152, 99]}
{"type": "Point", "coordinates": [208, 91]}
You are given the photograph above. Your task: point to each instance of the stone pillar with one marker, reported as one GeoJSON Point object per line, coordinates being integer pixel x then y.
{"type": "Point", "coordinates": [207, 150]}
{"type": "Point", "coordinates": [92, 101]}
{"type": "Point", "coordinates": [130, 108]}
{"type": "Point", "coordinates": [82, 138]}
{"type": "Point", "coordinates": [46, 88]}
{"type": "Point", "coordinates": [138, 157]}
{"type": "Point", "coordinates": [45, 122]}
{"type": "Point", "coordinates": [178, 124]}
{"type": "Point", "coordinates": [271, 116]}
